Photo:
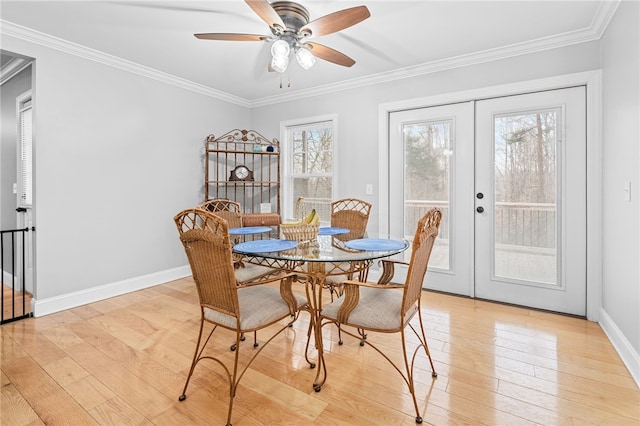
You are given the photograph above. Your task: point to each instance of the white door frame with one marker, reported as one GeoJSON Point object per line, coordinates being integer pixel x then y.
{"type": "Point", "coordinates": [593, 82]}
{"type": "Point", "coordinates": [24, 219]}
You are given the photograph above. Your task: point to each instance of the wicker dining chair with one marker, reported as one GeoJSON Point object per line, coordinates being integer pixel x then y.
{"type": "Point", "coordinates": [226, 209]}
{"type": "Point", "coordinates": [224, 300]}
{"type": "Point", "coordinates": [229, 210]}
{"type": "Point", "coordinates": [351, 214]}
{"type": "Point", "coordinates": [389, 308]}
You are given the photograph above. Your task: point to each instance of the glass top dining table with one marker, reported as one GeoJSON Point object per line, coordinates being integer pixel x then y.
{"type": "Point", "coordinates": [333, 253]}
{"type": "Point", "coordinates": [330, 246]}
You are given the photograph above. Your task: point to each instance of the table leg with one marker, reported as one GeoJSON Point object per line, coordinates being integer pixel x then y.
{"type": "Point", "coordinates": [312, 320]}
{"type": "Point", "coordinates": [315, 281]}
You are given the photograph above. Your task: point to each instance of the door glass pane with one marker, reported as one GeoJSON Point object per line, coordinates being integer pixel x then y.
{"type": "Point", "coordinates": [526, 191]}
{"type": "Point", "coordinates": [427, 154]}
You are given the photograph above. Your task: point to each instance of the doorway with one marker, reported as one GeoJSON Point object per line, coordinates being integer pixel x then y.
{"type": "Point", "coordinates": [509, 174]}
{"type": "Point", "coordinates": [16, 159]}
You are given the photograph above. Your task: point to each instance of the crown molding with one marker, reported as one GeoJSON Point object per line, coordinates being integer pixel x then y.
{"type": "Point", "coordinates": [11, 68]}
{"type": "Point", "coordinates": [595, 31]}
{"type": "Point", "coordinates": [597, 27]}
{"type": "Point", "coordinates": [33, 36]}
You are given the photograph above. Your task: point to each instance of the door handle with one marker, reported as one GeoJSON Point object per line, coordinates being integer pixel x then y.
{"type": "Point", "coordinates": [480, 209]}
{"type": "Point", "coordinates": [480, 195]}
{"type": "Point", "coordinates": [21, 209]}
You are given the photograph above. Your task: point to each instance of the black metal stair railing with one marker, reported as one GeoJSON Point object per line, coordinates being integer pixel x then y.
{"type": "Point", "coordinates": [12, 275]}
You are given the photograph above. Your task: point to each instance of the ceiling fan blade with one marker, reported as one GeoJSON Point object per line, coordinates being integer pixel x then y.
{"type": "Point", "coordinates": [336, 21]}
{"type": "Point", "coordinates": [230, 37]}
{"type": "Point", "coordinates": [267, 13]}
{"type": "Point", "coordinates": [328, 54]}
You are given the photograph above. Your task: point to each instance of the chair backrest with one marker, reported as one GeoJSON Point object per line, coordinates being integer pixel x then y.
{"type": "Point", "coordinates": [350, 213]}
{"type": "Point", "coordinates": [227, 209]}
{"type": "Point", "coordinates": [421, 247]}
{"type": "Point", "coordinates": [301, 209]}
{"type": "Point", "coordinates": [205, 238]}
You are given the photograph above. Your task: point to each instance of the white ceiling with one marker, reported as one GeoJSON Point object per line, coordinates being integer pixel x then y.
{"type": "Point", "coordinates": [400, 39]}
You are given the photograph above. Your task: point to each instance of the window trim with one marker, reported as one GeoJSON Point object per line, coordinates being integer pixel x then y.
{"type": "Point", "coordinates": [24, 105]}
{"type": "Point", "coordinates": [286, 178]}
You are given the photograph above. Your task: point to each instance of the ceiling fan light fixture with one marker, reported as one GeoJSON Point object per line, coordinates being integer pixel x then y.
{"type": "Point", "coordinates": [305, 58]}
{"type": "Point", "coordinates": [280, 63]}
{"type": "Point", "coordinates": [290, 26]}
{"type": "Point", "coordinates": [280, 48]}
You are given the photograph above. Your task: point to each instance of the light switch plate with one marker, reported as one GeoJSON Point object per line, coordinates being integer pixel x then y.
{"type": "Point", "coordinates": [627, 191]}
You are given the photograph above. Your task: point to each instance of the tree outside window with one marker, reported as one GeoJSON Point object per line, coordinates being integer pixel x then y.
{"type": "Point", "coordinates": [311, 166]}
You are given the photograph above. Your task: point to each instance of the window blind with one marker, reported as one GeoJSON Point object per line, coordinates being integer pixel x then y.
{"type": "Point", "coordinates": [26, 142]}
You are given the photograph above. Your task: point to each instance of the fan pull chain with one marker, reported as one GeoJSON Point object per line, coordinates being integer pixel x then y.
{"type": "Point", "coordinates": [288, 80]}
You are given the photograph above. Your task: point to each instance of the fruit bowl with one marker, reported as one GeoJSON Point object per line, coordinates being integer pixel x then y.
{"type": "Point", "coordinates": [299, 231]}
{"type": "Point", "coordinates": [305, 228]}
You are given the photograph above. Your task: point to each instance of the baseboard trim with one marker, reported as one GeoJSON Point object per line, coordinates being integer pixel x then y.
{"type": "Point", "coordinates": [629, 356]}
{"type": "Point", "coordinates": [41, 307]}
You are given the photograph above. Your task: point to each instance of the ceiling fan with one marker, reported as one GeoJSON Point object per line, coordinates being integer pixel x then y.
{"type": "Point", "coordinates": [290, 29]}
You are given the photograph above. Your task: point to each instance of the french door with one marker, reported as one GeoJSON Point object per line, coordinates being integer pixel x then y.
{"type": "Point", "coordinates": [509, 174]}
{"type": "Point", "coordinates": [431, 165]}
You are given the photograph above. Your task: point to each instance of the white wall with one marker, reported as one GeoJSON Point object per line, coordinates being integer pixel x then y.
{"type": "Point", "coordinates": [117, 155]}
{"type": "Point", "coordinates": [621, 138]}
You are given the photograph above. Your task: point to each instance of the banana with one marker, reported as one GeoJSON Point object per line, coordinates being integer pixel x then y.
{"type": "Point", "coordinates": [308, 218]}
{"type": "Point", "coordinates": [316, 219]}
{"type": "Point", "coordinates": [290, 223]}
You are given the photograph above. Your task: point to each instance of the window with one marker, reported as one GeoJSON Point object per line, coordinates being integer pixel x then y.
{"type": "Point", "coordinates": [308, 169]}
{"type": "Point", "coordinates": [25, 159]}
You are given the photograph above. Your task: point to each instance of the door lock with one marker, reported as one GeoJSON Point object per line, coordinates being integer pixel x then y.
{"type": "Point", "coordinates": [480, 195]}
{"type": "Point", "coordinates": [480, 209]}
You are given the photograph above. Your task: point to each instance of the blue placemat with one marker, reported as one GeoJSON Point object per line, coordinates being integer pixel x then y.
{"type": "Point", "coordinates": [247, 230]}
{"type": "Point", "coordinates": [375, 244]}
{"type": "Point", "coordinates": [265, 246]}
{"type": "Point", "coordinates": [332, 231]}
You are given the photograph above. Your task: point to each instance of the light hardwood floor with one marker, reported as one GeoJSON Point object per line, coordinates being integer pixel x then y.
{"type": "Point", "coordinates": [124, 360]}
{"type": "Point", "coordinates": [12, 304]}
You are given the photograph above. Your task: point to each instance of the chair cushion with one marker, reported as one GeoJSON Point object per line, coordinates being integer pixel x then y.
{"type": "Point", "coordinates": [339, 279]}
{"type": "Point", "coordinates": [259, 306]}
{"type": "Point", "coordinates": [335, 281]}
{"type": "Point", "coordinates": [378, 309]}
{"type": "Point", "coordinates": [250, 272]}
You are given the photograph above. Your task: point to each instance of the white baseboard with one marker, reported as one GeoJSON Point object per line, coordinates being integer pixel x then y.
{"type": "Point", "coordinates": [629, 356]}
{"type": "Point", "coordinates": [54, 304]}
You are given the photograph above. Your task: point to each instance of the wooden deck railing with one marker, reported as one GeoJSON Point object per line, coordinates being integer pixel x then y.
{"type": "Point", "coordinates": [520, 224]}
